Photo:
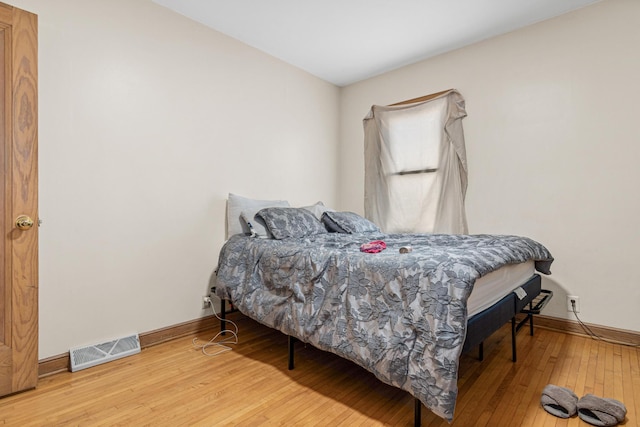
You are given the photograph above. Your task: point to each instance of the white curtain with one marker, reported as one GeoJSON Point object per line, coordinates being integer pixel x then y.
{"type": "Point", "coordinates": [416, 166]}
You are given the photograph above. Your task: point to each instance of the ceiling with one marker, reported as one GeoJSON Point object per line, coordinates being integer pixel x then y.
{"type": "Point", "coordinates": [345, 41]}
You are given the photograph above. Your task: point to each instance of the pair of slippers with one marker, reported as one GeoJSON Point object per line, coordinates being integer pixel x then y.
{"type": "Point", "coordinates": [598, 411]}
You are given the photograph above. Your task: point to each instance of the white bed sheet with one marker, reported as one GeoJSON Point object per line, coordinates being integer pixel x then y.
{"type": "Point", "coordinates": [494, 286]}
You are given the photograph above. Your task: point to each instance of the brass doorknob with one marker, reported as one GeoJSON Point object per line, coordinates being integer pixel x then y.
{"type": "Point", "coordinates": [23, 222]}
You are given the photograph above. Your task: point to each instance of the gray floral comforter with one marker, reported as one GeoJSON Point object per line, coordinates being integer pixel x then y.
{"type": "Point", "coordinates": [401, 316]}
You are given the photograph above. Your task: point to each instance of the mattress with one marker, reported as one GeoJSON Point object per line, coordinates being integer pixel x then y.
{"type": "Point", "coordinates": [494, 286]}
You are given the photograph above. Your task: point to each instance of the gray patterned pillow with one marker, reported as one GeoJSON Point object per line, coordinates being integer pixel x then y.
{"type": "Point", "coordinates": [283, 223]}
{"type": "Point", "coordinates": [347, 222]}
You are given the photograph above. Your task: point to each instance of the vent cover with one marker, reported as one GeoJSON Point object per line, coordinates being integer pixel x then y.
{"type": "Point", "coordinates": [86, 357]}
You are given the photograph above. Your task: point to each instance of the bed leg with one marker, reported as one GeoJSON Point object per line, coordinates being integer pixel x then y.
{"type": "Point", "coordinates": [417, 412]}
{"type": "Point", "coordinates": [223, 317]}
{"type": "Point", "coordinates": [292, 341]}
{"type": "Point", "coordinates": [481, 351]}
{"type": "Point", "coordinates": [531, 324]}
{"type": "Point", "coordinates": [513, 339]}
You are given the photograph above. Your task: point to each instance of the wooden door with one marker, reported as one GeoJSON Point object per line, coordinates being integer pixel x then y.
{"type": "Point", "coordinates": [18, 197]}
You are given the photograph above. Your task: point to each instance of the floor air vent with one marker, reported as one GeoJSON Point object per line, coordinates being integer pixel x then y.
{"type": "Point", "coordinates": [86, 357]}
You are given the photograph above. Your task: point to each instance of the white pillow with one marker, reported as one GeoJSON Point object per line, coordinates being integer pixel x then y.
{"type": "Point", "coordinates": [318, 209]}
{"type": "Point", "coordinates": [255, 224]}
{"type": "Point", "coordinates": [237, 205]}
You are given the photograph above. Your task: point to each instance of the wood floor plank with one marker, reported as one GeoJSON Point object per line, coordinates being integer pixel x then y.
{"type": "Point", "coordinates": [631, 363]}
{"type": "Point", "coordinates": [541, 370]}
{"type": "Point", "coordinates": [173, 384]}
{"type": "Point", "coordinates": [516, 387]}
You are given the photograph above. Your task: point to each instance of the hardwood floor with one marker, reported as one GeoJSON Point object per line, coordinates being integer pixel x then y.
{"type": "Point", "coordinates": [174, 384]}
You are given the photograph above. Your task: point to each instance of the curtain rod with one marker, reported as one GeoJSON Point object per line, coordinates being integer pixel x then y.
{"type": "Point", "coordinates": [421, 99]}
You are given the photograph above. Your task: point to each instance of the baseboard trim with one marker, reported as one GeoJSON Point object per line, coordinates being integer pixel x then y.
{"type": "Point", "coordinates": [567, 326]}
{"type": "Point", "coordinates": [61, 363]}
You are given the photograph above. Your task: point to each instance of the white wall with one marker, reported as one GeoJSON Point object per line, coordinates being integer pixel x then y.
{"type": "Point", "coordinates": [553, 144]}
{"type": "Point", "coordinates": [147, 121]}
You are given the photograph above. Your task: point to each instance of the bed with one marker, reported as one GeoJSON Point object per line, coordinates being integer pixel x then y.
{"type": "Point", "coordinates": [402, 316]}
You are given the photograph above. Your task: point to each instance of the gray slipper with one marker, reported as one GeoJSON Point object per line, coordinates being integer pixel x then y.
{"type": "Point", "coordinates": [601, 411]}
{"type": "Point", "coordinates": [559, 401]}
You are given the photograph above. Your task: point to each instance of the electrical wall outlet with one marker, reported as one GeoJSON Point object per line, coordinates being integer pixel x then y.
{"type": "Point", "coordinates": [577, 302]}
{"type": "Point", "coordinates": [206, 302]}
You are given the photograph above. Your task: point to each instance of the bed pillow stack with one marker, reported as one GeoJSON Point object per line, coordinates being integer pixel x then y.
{"type": "Point", "coordinates": [277, 219]}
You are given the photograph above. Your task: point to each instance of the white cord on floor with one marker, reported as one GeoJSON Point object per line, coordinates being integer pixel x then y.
{"type": "Point", "coordinates": [220, 344]}
{"type": "Point", "coordinates": [592, 334]}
